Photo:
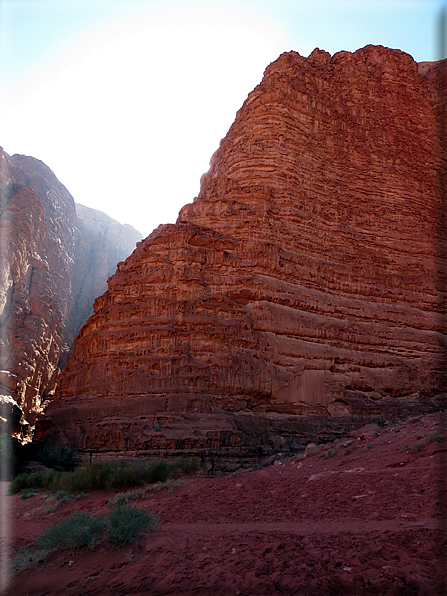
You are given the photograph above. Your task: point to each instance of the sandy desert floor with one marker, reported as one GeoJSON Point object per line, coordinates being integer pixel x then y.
{"type": "Point", "coordinates": [368, 520]}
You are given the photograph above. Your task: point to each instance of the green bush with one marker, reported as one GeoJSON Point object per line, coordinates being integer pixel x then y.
{"type": "Point", "coordinates": [80, 529]}
{"type": "Point", "coordinates": [108, 475]}
{"type": "Point", "coordinates": [27, 493]}
{"type": "Point", "coordinates": [367, 447]}
{"type": "Point", "coordinates": [126, 523]}
{"type": "Point", "coordinates": [57, 456]}
{"type": "Point", "coordinates": [188, 465]}
{"type": "Point", "coordinates": [26, 481]}
{"type": "Point", "coordinates": [159, 471]}
{"type": "Point", "coordinates": [330, 453]}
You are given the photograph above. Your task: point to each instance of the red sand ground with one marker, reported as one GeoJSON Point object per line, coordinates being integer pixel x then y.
{"type": "Point", "coordinates": [361, 522]}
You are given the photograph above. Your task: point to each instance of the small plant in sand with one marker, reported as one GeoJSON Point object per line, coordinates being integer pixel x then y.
{"type": "Point", "coordinates": [28, 493]}
{"type": "Point", "coordinates": [171, 485]}
{"type": "Point", "coordinates": [433, 437]}
{"type": "Point", "coordinates": [123, 498]}
{"type": "Point", "coordinates": [414, 419]}
{"type": "Point", "coordinates": [53, 502]}
{"type": "Point", "coordinates": [299, 457]}
{"type": "Point", "coordinates": [367, 447]}
{"type": "Point", "coordinates": [126, 523]}
{"type": "Point", "coordinates": [415, 448]}
{"type": "Point", "coordinates": [330, 453]}
{"type": "Point", "coordinates": [311, 450]}
{"type": "Point", "coordinates": [25, 557]}
{"type": "Point", "coordinates": [80, 529]}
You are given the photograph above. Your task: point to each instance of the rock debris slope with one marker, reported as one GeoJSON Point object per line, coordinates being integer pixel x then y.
{"type": "Point", "coordinates": [46, 284]}
{"type": "Point", "coordinates": [298, 287]}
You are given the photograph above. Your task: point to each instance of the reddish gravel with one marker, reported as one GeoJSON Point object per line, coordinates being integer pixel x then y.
{"type": "Point", "coordinates": [360, 522]}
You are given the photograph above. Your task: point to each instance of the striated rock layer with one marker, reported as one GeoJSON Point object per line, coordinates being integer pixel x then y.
{"type": "Point", "coordinates": [296, 294]}
{"type": "Point", "coordinates": [103, 242]}
{"type": "Point", "coordinates": [50, 274]}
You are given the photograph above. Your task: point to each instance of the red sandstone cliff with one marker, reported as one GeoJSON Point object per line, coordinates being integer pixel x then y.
{"type": "Point", "coordinates": [46, 282]}
{"type": "Point", "coordinates": [301, 281]}
{"type": "Point", "coordinates": [103, 243]}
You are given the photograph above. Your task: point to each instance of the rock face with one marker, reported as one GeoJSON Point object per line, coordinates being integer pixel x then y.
{"type": "Point", "coordinates": [103, 243]}
{"type": "Point", "coordinates": [46, 262]}
{"type": "Point", "coordinates": [297, 292]}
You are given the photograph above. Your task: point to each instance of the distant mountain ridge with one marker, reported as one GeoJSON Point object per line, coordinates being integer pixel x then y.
{"type": "Point", "coordinates": [55, 260]}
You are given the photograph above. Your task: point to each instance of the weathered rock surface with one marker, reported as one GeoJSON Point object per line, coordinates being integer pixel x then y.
{"type": "Point", "coordinates": [297, 292]}
{"type": "Point", "coordinates": [103, 243]}
{"type": "Point", "coordinates": [46, 282]}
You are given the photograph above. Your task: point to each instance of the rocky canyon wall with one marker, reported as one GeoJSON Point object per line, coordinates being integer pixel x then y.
{"type": "Point", "coordinates": [46, 283]}
{"type": "Point", "coordinates": [296, 294]}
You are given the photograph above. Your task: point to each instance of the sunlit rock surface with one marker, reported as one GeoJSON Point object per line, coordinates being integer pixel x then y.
{"type": "Point", "coordinates": [297, 292]}
{"type": "Point", "coordinates": [50, 272]}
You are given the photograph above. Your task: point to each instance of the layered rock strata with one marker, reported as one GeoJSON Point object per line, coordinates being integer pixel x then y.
{"type": "Point", "coordinates": [296, 293]}
{"type": "Point", "coordinates": [103, 242]}
{"type": "Point", "coordinates": [46, 283]}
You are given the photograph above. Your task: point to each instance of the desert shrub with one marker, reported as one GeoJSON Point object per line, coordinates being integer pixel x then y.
{"type": "Point", "coordinates": [415, 448]}
{"type": "Point", "coordinates": [187, 465]}
{"type": "Point", "coordinates": [312, 451]}
{"type": "Point", "coordinates": [108, 475]}
{"type": "Point", "coordinates": [53, 502]}
{"type": "Point", "coordinates": [159, 471]}
{"type": "Point", "coordinates": [123, 498]}
{"type": "Point", "coordinates": [57, 456]}
{"type": "Point", "coordinates": [27, 493]}
{"type": "Point", "coordinates": [367, 447]}
{"type": "Point", "coordinates": [171, 484]}
{"type": "Point", "coordinates": [120, 500]}
{"type": "Point", "coordinates": [80, 529]}
{"type": "Point", "coordinates": [19, 483]}
{"type": "Point", "coordinates": [433, 437]}
{"type": "Point", "coordinates": [414, 419]}
{"type": "Point", "coordinates": [26, 481]}
{"type": "Point", "coordinates": [330, 453]}
{"type": "Point", "coordinates": [63, 496]}
{"type": "Point", "coordinates": [126, 523]}
{"type": "Point", "coordinates": [24, 557]}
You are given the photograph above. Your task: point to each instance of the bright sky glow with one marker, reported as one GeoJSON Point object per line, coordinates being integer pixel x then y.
{"type": "Point", "coordinates": [126, 101]}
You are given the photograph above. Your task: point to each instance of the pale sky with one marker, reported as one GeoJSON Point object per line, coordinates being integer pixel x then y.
{"type": "Point", "coordinates": [126, 100]}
